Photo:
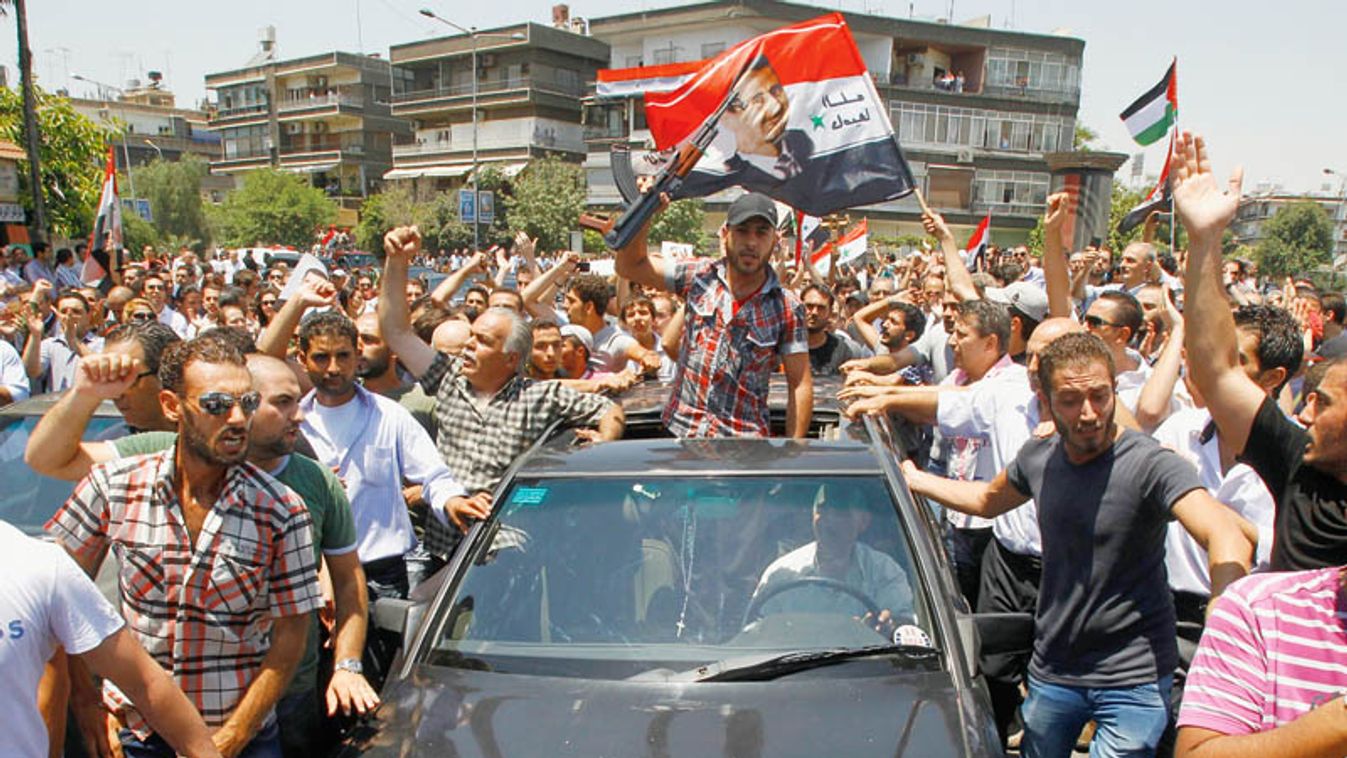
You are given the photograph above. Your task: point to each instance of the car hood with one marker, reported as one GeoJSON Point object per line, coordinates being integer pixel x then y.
{"type": "Point", "coordinates": [460, 712]}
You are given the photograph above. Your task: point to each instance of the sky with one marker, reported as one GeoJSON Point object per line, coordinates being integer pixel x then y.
{"type": "Point", "coordinates": [1262, 81]}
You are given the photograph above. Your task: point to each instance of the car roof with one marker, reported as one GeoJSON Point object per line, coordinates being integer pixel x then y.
{"type": "Point", "coordinates": [38, 405]}
{"type": "Point", "coordinates": [725, 456]}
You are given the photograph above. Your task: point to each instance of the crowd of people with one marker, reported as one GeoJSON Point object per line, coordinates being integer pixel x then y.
{"type": "Point", "coordinates": [1133, 453]}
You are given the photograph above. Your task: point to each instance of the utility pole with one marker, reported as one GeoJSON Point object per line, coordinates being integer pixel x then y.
{"type": "Point", "coordinates": [38, 223]}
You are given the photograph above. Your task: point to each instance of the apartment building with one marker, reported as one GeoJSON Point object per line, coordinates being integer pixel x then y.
{"type": "Point", "coordinates": [976, 109]}
{"type": "Point", "coordinates": [526, 92]}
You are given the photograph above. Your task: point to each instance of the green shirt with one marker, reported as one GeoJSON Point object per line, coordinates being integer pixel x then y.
{"type": "Point", "coordinates": [330, 511]}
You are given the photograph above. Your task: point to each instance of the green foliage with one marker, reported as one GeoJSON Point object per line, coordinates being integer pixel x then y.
{"type": "Point", "coordinates": [437, 219]}
{"type": "Point", "coordinates": [73, 154]}
{"type": "Point", "coordinates": [1084, 138]}
{"type": "Point", "coordinates": [1035, 239]}
{"type": "Point", "coordinates": [272, 207]}
{"type": "Point", "coordinates": [547, 200]}
{"type": "Point", "coordinates": [499, 231]}
{"type": "Point", "coordinates": [137, 233]}
{"type": "Point", "coordinates": [593, 242]}
{"type": "Point", "coordinates": [1299, 237]}
{"type": "Point", "coordinates": [681, 222]}
{"type": "Point", "coordinates": [1124, 200]}
{"type": "Point", "coordinates": [174, 191]}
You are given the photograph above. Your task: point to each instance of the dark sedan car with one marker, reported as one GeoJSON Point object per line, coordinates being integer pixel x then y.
{"type": "Point", "coordinates": [694, 597]}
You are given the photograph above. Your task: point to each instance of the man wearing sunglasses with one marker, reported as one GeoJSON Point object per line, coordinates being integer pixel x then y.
{"type": "Point", "coordinates": [155, 290]}
{"type": "Point", "coordinates": [1116, 318]}
{"type": "Point", "coordinates": [216, 566]}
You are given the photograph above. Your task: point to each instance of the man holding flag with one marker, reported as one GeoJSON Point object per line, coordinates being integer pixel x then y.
{"type": "Point", "coordinates": [106, 238]}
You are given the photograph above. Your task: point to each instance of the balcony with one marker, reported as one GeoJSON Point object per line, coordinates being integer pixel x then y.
{"type": "Point", "coordinates": [487, 89]}
{"type": "Point", "coordinates": [307, 100]}
{"type": "Point", "coordinates": [242, 113]}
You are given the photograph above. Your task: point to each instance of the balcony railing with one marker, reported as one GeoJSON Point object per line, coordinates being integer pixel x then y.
{"type": "Point", "coordinates": [242, 110]}
{"type": "Point", "coordinates": [320, 144]}
{"type": "Point", "coordinates": [433, 147]}
{"type": "Point", "coordinates": [322, 100]}
{"type": "Point", "coordinates": [488, 88]}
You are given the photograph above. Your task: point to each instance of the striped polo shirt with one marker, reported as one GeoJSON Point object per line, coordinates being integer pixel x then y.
{"type": "Point", "coordinates": [1272, 651]}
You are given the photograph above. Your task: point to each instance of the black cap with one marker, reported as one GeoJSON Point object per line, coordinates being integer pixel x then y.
{"type": "Point", "coordinates": [751, 205]}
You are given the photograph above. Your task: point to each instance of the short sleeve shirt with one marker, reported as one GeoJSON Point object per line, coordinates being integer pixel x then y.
{"type": "Point", "coordinates": [1105, 617]}
{"type": "Point", "coordinates": [729, 351]}
{"type": "Point", "coordinates": [1311, 521]}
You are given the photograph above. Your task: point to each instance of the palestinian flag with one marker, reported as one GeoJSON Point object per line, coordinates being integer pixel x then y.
{"type": "Point", "coordinates": [977, 244]}
{"type": "Point", "coordinates": [628, 82]}
{"type": "Point", "coordinates": [1158, 199]}
{"type": "Point", "coordinates": [810, 234]}
{"type": "Point", "coordinates": [1152, 115]}
{"type": "Point", "coordinates": [794, 114]}
{"type": "Point", "coordinates": [106, 238]}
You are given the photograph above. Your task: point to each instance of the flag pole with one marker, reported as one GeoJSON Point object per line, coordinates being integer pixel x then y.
{"type": "Point", "coordinates": [1173, 217]}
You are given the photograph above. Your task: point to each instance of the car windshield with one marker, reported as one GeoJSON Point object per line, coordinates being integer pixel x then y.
{"type": "Point", "coordinates": [28, 499]}
{"type": "Point", "coordinates": [614, 577]}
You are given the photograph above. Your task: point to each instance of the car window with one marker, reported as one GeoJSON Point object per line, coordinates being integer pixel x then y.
{"type": "Point", "coordinates": [28, 499]}
{"type": "Point", "coordinates": [613, 576]}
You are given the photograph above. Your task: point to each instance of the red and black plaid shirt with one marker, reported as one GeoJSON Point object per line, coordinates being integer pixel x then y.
{"type": "Point", "coordinates": [729, 352]}
{"type": "Point", "coordinates": [204, 611]}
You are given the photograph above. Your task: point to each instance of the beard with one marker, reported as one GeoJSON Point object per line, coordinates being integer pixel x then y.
{"type": "Point", "coordinates": [1082, 437]}
{"type": "Point", "coordinates": [200, 444]}
{"type": "Point", "coordinates": [373, 367]}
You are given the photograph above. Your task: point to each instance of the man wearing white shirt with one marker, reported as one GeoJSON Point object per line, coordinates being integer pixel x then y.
{"type": "Point", "coordinates": [39, 268]}
{"type": "Point", "coordinates": [1116, 318]}
{"type": "Point", "coordinates": [374, 445]}
{"type": "Point", "coordinates": [13, 379]}
{"type": "Point", "coordinates": [155, 290]}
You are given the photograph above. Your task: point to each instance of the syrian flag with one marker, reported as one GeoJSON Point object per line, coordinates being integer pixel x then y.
{"type": "Point", "coordinates": [1152, 115]}
{"type": "Point", "coordinates": [977, 244]}
{"type": "Point", "coordinates": [627, 82]}
{"type": "Point", "coordinates": [795, 116]}
{"type": "Point", "coordinates": [854, 243]}
{"type": "Point", "coordinates": [107, 234]}
{"type": "Point", "coordinates": [1158, 199]}
{"type": "Point", "coordinates": [810, 234]}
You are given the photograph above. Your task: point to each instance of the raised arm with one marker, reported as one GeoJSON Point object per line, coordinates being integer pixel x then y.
{"type": "Point", "coordinates": [538, 295]}
{"type": "Point", "coordinates": [311, 293]}
{"type": "Point", "coordinates": [1213, 356]}
{"type": "Point", "coordinates": [634, 262]}
{"type": "Point", "coordinates": [864, 320]}
{"type": "Point", "coordinates": [957, 277]}
{"type": "Point", "coordinates": [985, 499]}
{"type": "Point", "coordinates": [444, 291]}
{"type": "Point", "coordinates": [1153, 404]}
{"type": "Point", "coordinates": [1056, 275]}
{"type": "Point", "coordinates": [55, 448]}
{"type": "Point", "coordinates": [400, 246]}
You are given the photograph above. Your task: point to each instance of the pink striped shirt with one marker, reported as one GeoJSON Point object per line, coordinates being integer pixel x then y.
{"type": "Point", "coordinates": [1274, 649]}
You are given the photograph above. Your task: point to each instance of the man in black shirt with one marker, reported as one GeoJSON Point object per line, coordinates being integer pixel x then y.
{"type": "Point", "coordinates": [1104, 647]}
{"type": "Point", "coordinates": [827, 351]}
{"type": "Point", "coordinates": [1304, 469]}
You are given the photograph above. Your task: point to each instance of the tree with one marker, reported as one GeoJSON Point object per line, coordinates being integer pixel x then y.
{"type": "Point", "coordinates": [548, 198]}
{"type": "Point", "coordinates": [437, 219]}
{"type": "Point", "coordinates": [272, 207]}
{"type": "Point", "coordinates": [681, 222]}
{"type": "Point", "coordinates": [1299, 237]}
{"type": "Point", "coordinates": [1083, 138]}
{"type": "Point", "coordinates": [174, 191]}
{"type": "Point", "coordinates": [72, 156]}
{"type": "Point", "coordinates": [1123, 201]}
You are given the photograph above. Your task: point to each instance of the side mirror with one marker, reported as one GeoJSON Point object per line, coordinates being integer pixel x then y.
{"type": "Point", "coordinates": [401, 617]}
{"type": "Point", "coordinates": [1005, 633]}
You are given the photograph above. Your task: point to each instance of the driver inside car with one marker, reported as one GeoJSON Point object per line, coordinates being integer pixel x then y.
{"type": "Point", "coordinates": [839, 519]}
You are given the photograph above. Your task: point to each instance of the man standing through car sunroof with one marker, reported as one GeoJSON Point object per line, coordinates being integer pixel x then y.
{"type": "Point", "coordinates": [216, 566]}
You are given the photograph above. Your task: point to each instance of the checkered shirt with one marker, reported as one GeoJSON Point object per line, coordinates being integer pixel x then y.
{"type": "Point", "coordinates": [204, 614]}
{"type": "Point", "coordinates": [479, 443]}
{"type": "Point", "coordinates": [720, 386]}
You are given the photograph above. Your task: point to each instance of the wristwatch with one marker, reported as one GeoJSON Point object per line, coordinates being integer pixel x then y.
{"type": "Point", "coordinates": [349, 664]}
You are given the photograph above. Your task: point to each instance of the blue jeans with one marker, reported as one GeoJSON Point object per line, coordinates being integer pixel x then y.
{"type": "Point", "coordinates": [266, 744]}
{"type": "Point", "coordinates": [1129, 720]}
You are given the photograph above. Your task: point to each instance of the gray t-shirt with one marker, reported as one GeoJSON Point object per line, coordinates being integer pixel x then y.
{"type": "Point", "coordinates": [933, 347]}
{"type": "Point", "coordinates": [1105, 616]}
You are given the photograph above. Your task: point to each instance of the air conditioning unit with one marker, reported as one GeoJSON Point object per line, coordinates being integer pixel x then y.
{"type": "Point", "coordinates": [965, 156]}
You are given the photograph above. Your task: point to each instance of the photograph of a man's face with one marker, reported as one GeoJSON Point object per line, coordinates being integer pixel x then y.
{"type": "Point", "coordinates": [758, 113]}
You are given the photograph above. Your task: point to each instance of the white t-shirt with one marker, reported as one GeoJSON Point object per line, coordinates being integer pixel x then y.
{"type": "Point", "coordinates": [13, 377]}
{"type": "Point", "coordinates": [176, 321]}
{"type": "Point", "coordinates": [610, 349]}
{"type": "Point", "coordinates": [45, 601]}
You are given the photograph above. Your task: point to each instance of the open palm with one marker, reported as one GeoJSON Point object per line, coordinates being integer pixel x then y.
{"type": "Point", "coordinates": [1203, 205]}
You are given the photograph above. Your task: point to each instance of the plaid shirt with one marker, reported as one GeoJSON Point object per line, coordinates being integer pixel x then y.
{"type": "Point", "coordinates": [720, 387]}
{"type": "Point", "coordinates": [479, 442]}
{"type": "Point", "coordinates": [203, 613]}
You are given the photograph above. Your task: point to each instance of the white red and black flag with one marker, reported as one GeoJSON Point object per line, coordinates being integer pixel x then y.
{"type": "Point", "coordinates": [976, 248]}
{"type": "Point", "coordinates": [810, 235]}
{"type": "Point", "coordinates": [106, 237]}
{"type": "Point", "coordinates": [1159, 198]}
{"type": "Point", "coordinates": [796, 117]}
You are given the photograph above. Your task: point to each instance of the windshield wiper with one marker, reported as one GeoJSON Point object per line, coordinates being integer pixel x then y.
{"type": "Point", "coordinates": [760, 670]}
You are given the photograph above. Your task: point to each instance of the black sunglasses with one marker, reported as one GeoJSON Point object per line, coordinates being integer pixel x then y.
{"type": "Point", "coordinates": [1094, 322]}
{"type": "Point", "coordinates": [142, 317]}
{"type": "Point", "coordinates": [219, 403]}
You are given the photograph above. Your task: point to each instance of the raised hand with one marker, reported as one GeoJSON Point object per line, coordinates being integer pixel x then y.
{"type": "Point", "coordinates": [1204, 207]}
{"type": "Point", "coordinates": [404, 241]}
{"type": "Point", "coordinates": [315, 292]}
{"type": "Point", "coordinates": [107, 376]}
{"type": "Point", "coordinates": [1060, 207]}
{"type": "Point", "coordinates": [934, 224]}
{"type": "Point", "coordinates": [525, 245]}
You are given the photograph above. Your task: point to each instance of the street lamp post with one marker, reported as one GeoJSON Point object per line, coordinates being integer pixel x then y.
{"type": "Point", "coordinates": [1340, 214]}
{"type": "Point", "coordinates": [126, 153]}
{"type": "Point", "coordinates": [473, 34]}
